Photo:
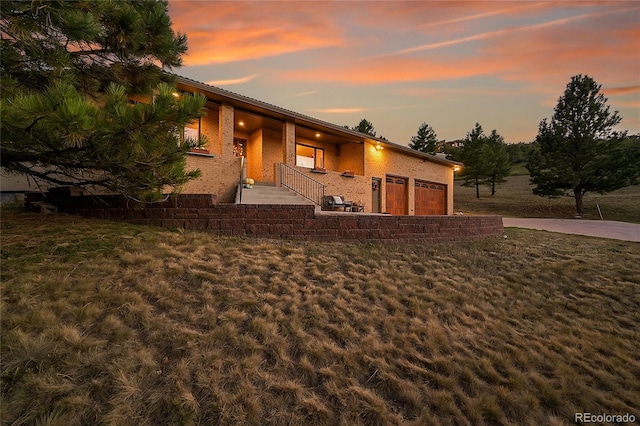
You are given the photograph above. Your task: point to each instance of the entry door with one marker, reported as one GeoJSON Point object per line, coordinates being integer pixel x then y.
{"type": "Point", "coordinates": [396, 195]}
{"type": "Point", "coordinates": [375, 195]}
{"type": "Point", "coordinates": [430, 198]}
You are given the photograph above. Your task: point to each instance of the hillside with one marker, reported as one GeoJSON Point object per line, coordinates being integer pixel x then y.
{"type": "Point", "coordinates": [120, 324]}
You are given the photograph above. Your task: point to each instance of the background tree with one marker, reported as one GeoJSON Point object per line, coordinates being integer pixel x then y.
{"type": "Point", "coordinates": [366, 127]}
{"type": "Point", "coordinates": [486, 160]}
{"type": "Point", "coordinates": [519, 152]}
{"type": "Point", "coordinates": [68, 72]}
{"type": "Point", "coordinates": [578, 149]}
{"type": "Point", "coordinates": [425, 141]}
{"type": "Point", "coordinates": [474, 155]}
{"type": "Point", "coordinates": [498, 161]}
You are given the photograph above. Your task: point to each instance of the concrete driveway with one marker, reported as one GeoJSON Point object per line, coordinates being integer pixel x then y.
{"type": "Point", "coordinates": [593, 228]}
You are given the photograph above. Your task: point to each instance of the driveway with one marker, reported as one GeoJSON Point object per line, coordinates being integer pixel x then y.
{"type": "Point", "coordinates": [593, 228]}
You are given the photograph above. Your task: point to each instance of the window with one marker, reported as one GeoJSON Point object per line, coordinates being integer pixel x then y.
{"type": "Point", "coordinates": [191, 133]}
{"type": "Point", "coordinates": [309, 156]}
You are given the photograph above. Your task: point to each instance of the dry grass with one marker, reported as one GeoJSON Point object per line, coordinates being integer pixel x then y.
{"type": "Point", "coordinates": [107, 323]}
{"type": "Point", "coordinates": [515, 199]}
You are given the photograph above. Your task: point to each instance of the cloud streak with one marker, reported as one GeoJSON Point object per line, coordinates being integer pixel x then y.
{"type": "Point", "coordinates": [232, 81]}
{"type": "Point", "coordinates": [500, 33]}
{"type": "Point", "coordinates": [504, 11]}
{"type": "Point", "coordinates": [298, 95]}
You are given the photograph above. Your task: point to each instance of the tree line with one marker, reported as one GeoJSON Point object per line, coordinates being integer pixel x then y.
{"type": "Point", "coordinates": [576, 151]}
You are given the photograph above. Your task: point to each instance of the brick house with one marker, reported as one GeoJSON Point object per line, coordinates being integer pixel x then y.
{"type": "Point", "coordinates": [272, 145]}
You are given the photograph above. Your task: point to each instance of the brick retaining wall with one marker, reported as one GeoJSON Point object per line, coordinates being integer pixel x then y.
{"type": "Point", "coordinates": [199, 212]}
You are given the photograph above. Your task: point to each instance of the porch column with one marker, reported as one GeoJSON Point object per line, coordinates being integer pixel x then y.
{"type": "Point", "coordinates": [289, 143]}
{"type": "Point", "coordinates": [411, 196]}
{"type": "Point", "coordinates": [226, 130]}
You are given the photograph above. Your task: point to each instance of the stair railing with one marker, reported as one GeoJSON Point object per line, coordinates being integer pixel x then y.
{"type": "Point", "coordinates": [240, 182]}
{"type": "Point", "coordinates": [300, 183]}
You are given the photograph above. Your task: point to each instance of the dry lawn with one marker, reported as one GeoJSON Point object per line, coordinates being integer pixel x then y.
{"type": "Point", "coordinates": [516, 199]}
{"type": "Point", "coordinates": [106, 323]}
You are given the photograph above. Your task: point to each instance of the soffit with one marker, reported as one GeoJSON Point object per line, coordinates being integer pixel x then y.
{"type": "Point", "coordinates": [304, 124]}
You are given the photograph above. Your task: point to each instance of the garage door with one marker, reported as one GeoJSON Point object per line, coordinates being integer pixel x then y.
{"type": "Point", "coordinates": [396, 195]}
{"type": "Point", "coordinates": [431, 198]}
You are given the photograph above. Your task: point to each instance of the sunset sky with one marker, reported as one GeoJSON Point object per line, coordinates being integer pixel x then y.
{"type": "Point", "coordinates": [398, 64]}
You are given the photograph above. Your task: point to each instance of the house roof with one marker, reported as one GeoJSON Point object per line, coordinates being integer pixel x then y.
{"type": "Point", "coordinates": [217, 94]}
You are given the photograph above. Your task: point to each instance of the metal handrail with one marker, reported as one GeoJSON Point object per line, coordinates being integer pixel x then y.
{"type": "Point", "coordinates": [240, 183]}
{"type": "Point", "coordinates": [300, 183]}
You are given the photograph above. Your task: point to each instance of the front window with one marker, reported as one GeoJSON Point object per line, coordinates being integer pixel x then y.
{"type": "Point", "coordinates": [309, 156]}
{"type": "Point", "coordinates": [191, 133]}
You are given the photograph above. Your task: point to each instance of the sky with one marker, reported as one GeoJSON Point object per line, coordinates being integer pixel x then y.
{"type": "Point", "coordinates": [451, 64]}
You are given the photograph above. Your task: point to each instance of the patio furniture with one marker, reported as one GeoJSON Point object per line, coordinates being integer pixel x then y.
{"type": "Point", "coordinates": [332, 202]}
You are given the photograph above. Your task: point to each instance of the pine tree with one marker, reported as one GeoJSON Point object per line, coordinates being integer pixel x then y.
{"type": "Point", "coordinates": [68, 73]}
{"type": "Point", "coordinates": [485, 158]}
{"type": "Point", "coordinates": [498, 162]}
{"type": "Point", "coordinates": [425, 141]}
{"type": "Point", "coordinates": [365, 127]}
{"type": "Point", "coordinates": [578, 150]}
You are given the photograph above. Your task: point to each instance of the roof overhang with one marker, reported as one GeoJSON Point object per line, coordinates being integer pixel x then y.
{"type": "Point", "coordinates": [221, 96]}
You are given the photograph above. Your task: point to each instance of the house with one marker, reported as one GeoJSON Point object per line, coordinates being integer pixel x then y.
{"type": "Point", "coordinates": [248, 138]}
{"type": "Point", "coordinates": [442, 145]}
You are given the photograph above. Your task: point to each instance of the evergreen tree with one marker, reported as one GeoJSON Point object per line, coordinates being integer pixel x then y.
{"type": "Point", "coordinates": [578, 150]}
{"type": "Point", "coordinates": [485, 158]}
{"type": "Point", "coordinates": [474, 155]}
{"type": "Point", "coordinates": [425, 141]}
{"type": "Point", "coordinates": [498, 162]}
{"type": "Point", "coordinates": [365, 127]}
{"type": "Point", "coordinates": [68, 73]}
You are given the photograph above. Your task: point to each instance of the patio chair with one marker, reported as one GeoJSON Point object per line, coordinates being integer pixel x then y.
{"type": "Point", "coordinates": [332, 202]}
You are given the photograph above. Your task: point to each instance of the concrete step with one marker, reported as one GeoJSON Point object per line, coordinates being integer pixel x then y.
{"type": "Point", "coordinates": [266, 194]}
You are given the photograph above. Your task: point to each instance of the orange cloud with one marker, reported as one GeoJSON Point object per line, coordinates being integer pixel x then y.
{"type": "Point", "coordinates": [382, 71]}
{"type": "Point", "coordinates": [551, 56]}
{"type": "Point", "coordinates": [541, 55]}
{"type": "Point", "coordinates": [220, 32]}
{"type": "Point", "coordinates": [232, 81]}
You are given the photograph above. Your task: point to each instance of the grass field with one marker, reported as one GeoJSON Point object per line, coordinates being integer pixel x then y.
{"type": "Point", "coordinates": [107, 323]}
{"type": "Point", "coordinates": [515, 199]}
